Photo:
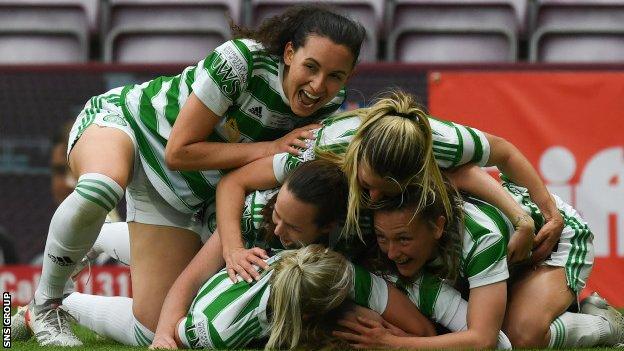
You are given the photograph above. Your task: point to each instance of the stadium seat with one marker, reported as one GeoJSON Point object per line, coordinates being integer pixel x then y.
{"type": "Point", "coordinates": [46, 31]}
{"type": "Point", "coordinates": [370, 13]}
{"type": "Point", "coordinates": [166, 31]}
{"type": "Point", "coordinates": [577, 31]}
{"type": "Point", "coordinates": [454, 30]}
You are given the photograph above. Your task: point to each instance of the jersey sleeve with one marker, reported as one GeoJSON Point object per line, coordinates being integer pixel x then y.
{"type": "Point", "coordinates": [369, 290]}
{"type": "Point", "coordinates": [484, 249]}
{"type": "Point", "coordinates": [222, 76]}
{"type": "Point", "coordinates": [455, 144]}
{"type": "Point", "coordinates": [334, 136]}
{"type": "Point", "coordinates": [285, 162]}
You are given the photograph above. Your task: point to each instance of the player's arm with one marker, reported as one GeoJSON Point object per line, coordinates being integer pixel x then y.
{"type": "Point", "coordinates": [485, 316]}
{"type": "Point", "coordinates": [402, 313]}
{"type": "Point", "coordinates": [204, 265]}
{"type": "Point", "coordinates": [477, 182]}
{"type": "Point", "coordinates": [513, 164]}
{"type": "Point", "coordinates": [187, 148]}
{"type": "Point", "coordinates": [231, 192]}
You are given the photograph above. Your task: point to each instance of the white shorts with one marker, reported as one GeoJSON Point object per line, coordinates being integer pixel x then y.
{"type": "Point", "coordinates": [144, 204]}
{"type": "Point", "coordinates": [575, 250]}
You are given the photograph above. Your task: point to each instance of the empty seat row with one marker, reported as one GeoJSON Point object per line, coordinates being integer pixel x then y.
{"type": "Point", "coordinates": [165, 31]}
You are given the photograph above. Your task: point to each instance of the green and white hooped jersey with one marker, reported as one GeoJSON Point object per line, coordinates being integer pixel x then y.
{"type": "Point", "coordinates": [484, 247]}
{"type": "Point", "coordinates": [453, 144]}
{"type": "Point", "coordinates": [251, 219]}
{"type": "Point", "coordinates": [226, 315]}
{"type": "Point", "coordinates": [442, 303]}
{"type": "Point", "coordinates": [436, 299]}
{"type": "Point", "coordinates": [238, 81]}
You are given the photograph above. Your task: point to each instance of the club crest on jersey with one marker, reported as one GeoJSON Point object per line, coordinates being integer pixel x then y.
{"type": "Point", "coordinates": [115, 119]}
{"type": "Point", "coordinates": [230, 129]}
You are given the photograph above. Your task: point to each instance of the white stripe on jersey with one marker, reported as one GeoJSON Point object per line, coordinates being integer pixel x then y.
{"type": "Point", "coordinates": [160, 102]}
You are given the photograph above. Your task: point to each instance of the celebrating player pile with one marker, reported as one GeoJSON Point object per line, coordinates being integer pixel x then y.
{"type": "Point", "coordinates": [388, 187]}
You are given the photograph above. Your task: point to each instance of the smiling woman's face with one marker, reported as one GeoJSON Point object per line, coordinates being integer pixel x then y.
{"type": "Point", "coordinates": [315, 73]}
{"type": "Point", "coordinates": [406, 242]}
{"type": "Point", "coordinates": [294, 220]}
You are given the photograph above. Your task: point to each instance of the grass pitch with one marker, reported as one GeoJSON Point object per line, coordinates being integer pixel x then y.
{"type": "Point", "coordinates": [93, 342]}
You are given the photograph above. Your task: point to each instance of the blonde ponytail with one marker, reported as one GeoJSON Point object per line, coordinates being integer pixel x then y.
{"type": "Point", "coordinates": [307, 283]}
{"type": "Point", "coordinates": [394, 141]}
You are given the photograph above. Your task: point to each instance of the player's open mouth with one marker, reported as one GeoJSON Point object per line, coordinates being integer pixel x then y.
{"type": "Point", "coordinates": [306, 99]}
{"type": "Point", "coordinates": [402, 262]}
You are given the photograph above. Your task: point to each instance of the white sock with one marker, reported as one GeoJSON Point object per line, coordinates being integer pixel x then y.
{"type": "Point", "coordinates": [109, 316]}
{"type": "Point", "coordinates": [142, 335]}
{"type": "Point", "coordinates": [114, 240]}
{"type": "Point", "coordinates": [578, 330]}
{"type": "Point", "coordinates": [73, 230]}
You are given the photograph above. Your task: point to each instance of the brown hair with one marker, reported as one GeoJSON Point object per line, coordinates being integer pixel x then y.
{"type": "Point", "coordinates": [319, 183]}
{"type": "Point", "coordinates": [297, 23]}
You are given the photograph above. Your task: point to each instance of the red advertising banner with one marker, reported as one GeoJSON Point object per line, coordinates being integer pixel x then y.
{"type": "Point", "coordinates": [569, 125]}
{"type": "Point", "coordinates": [20, 281]}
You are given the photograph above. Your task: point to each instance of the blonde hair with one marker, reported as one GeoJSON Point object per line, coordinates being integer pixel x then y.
{"type": "Point", "coordinates": [308, 282]}
{"type": "Point", "coordinates": [395, 142]}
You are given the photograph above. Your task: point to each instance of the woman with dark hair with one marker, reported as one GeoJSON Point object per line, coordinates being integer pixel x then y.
{"type": "Point", "coordinates": [165, 143]}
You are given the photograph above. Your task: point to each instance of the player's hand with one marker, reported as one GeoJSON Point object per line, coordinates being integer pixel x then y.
{"type": "Point", "coordinates": [521, 242]}
{"type": "Point", "coordinates": [240, 261]}
{"type": "Point", "coordinates": [364, 333]}
{"type": "Point", "coordinates": [294, 141]}
{"type": "Point", "coordinates": [163, 342]}
{"type": "Point", "coordinates": [547, 238]}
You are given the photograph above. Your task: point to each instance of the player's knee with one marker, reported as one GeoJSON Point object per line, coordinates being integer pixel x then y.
{"type": "Point", "coordinates": [98, 191]}
{"type": "Point", "coordinates": [527, 332]}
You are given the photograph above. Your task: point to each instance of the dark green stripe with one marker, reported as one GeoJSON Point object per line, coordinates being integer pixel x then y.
{"type": "Point", "coordinates": [216, 280]}
{"type": "Point", "coordinates": [460, 150]}
{"type": "Point", "coordinates": [217, 342]}
{"type": "Point", "coordinates": [259, 58]}
{"type": "Point", "coordinates": [444, 151]}
{"type": "Point", "coordinates": [269, 69]}
{"type": "Point", "coordinates": [261, 90]}
{"type": "Point", "coordinates": [429, 291]}
{"type": "Point", "coordinates": [244, 334]}
{"type": "Point", "coordinates": [173, 105]}
{"type": "Point", "coordinates": [253, 128]}
{"type": "Point", "coordinates": [108, 187]}
{"type": "Point", "coordinates": [492, 213]}
{"type": "Point", "coordinates": [94, 200]}
{"type": "Point", "coordinates": [443, 158]}
{"type": "Point", "coordinates": [486, 258]}
{"type": "Point", "coordinates": [251, 305]}
{"type": "Point", "coordinates": [478, 147]}
{"type": "Point", "coordinates": [110, 202]}
{"type": "Point", "coordinates": [362, 286]}
{"type": "Point", "coordinates": [348, 133]}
